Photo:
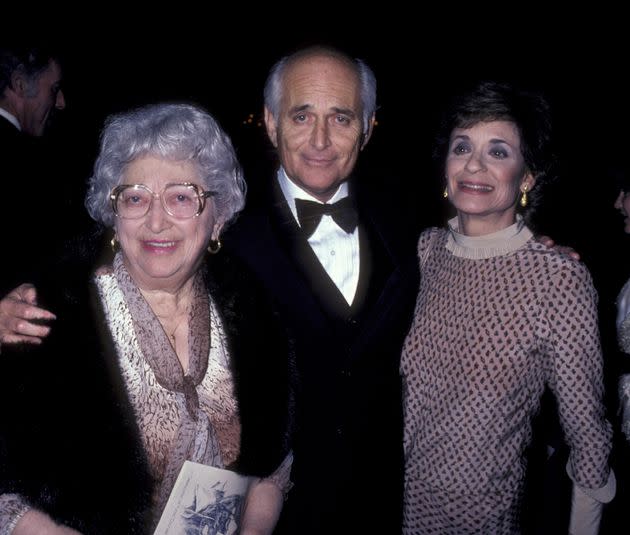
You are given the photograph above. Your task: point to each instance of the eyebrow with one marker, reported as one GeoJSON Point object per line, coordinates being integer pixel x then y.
{"type": "Point", "coordinates": [304, 107]}
{"type": "Point", "coordinates": [297, 109]}
{"type": "Point", "coordinates": [345, 111]}
{"type": "Point", "coordinates": [493, 140]}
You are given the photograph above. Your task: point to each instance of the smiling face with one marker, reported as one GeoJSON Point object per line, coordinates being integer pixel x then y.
{"type": "Point", "coordinates": [486, 173]}
{"type": "Point", "coordinates": [161, 252]}
{"type": "Point", "coordinates": [318, 132]}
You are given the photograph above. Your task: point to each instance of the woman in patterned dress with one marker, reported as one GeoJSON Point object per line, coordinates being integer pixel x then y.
{"type": "Point", "coordinates": [499, 317]}
{"type": "Point", "coordinates": [157, 357]}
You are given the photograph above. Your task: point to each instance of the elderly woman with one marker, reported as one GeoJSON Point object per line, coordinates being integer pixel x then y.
{"type": "Point", "coordinates": [164, 355]}
{"type": "Point", "coordinates": [498, 318]}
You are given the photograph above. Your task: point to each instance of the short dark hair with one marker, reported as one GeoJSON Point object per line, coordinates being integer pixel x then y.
{"type": "Point", "coordinates": [31, 61]}
{"type": "Point", "coordinates": [528, 109]}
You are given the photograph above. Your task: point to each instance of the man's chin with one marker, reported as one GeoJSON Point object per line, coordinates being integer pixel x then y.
{"type": "Point", "coordinates": [323, 190]}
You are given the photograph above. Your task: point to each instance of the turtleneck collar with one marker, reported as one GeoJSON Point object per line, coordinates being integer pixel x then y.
{"type": "Point", "coordinates": [498, 243]}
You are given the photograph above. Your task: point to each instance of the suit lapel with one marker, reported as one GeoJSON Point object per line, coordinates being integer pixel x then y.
{"type": "Point", "coordinates": [380, 264]}
{"type": "Point", "coordinates": [303, 288]}
{"type": "Point", "coordinates": [393, 279]}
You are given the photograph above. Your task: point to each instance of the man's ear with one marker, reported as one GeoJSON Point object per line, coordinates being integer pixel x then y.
{"type": "Point", "coordinates": [271, 126]}
{"type": "Point", "coordinates": [19, 84]}
{"type": "Point", "coordinates": [365, 137]}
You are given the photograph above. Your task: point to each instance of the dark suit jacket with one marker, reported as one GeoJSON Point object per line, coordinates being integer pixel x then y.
{"type": "Point", "coordinates": [16, 169]}
{"type": "Point", "coordinates": [348, 462]}
{"type": "Point", "coordinates": [8, 133]}
{"type": "Point", "coordinates": [69, 442]}
{"type": "Point", "coordinates": [42, 206]}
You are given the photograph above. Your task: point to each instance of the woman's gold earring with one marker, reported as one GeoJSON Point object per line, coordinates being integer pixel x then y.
{"type": "Point", "coordinates": [214, 246]}
{"type": "Point", "coordinates": [524, 196]}
{"type": "Point", "coordinates": [114, 242]}
{"type": "Point", "coordinates": [445, 194]}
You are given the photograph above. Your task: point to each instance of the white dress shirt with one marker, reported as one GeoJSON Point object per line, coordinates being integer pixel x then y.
{"type": "Point", "coordinates": [337, 251]}
{"type": "Point", "coordinates": [11, 118]}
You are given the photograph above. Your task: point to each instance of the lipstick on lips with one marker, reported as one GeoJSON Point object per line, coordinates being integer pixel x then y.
{"type": "Point", "coordinates": [159, 246]}
{"type": "Point", "coordinates": [474, 187]}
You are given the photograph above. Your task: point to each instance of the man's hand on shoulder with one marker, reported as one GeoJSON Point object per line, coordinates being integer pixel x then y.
{"type": "Point", "coordinates": [21, 320]}
{"type": "Point", "coordinates": [565, 249]}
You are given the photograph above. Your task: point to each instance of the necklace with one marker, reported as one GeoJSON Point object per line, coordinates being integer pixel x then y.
{"type": "Point", "coordinates": [171, 335]}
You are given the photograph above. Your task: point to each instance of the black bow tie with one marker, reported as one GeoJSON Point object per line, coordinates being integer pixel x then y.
{"type": "Point", "coordinates": [310, 214]}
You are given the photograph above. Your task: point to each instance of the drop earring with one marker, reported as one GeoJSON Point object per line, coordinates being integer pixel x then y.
{"type": "Point", "coordinates": [524, 196]}
{"type": "Point", "coordinates": [445, 193]}
{"type": "Point", "coordinates": [114, 242]}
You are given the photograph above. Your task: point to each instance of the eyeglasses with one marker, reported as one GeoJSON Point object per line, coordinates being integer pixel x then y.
{"type": "Point", "coordinates": [182, 201]}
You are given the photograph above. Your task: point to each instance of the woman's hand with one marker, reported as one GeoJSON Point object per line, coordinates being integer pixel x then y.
{"type": "Point", "coordinates": [36, 522]}
{"type": "Point", "coordinates": [20, 317]}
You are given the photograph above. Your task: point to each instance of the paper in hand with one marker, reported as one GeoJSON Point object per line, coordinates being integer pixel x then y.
{"type": "Point", "coordinates": [204, 500]}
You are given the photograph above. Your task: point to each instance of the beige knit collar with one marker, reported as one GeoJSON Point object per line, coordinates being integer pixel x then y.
{"type": "Point", "coordinates": [499, 243]}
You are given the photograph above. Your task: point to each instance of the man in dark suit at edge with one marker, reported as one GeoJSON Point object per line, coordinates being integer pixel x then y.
{"type": "Point", "coordinates": [30, 95]}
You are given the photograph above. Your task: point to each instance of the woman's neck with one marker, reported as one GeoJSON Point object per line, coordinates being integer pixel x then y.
{"type": "Point", "coordinates": [481, 225]}
{"type": "Point", "coordinates": [171, 310]}
{"type": "Point", "coordinates": [165, 303]}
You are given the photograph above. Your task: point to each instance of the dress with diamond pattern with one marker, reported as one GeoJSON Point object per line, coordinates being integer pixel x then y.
{"type": "Point", "coordinates": [490, 330]}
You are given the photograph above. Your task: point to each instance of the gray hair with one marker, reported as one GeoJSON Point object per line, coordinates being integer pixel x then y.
{"type": "Point", "coordinates": [367, 80]}
{"type": "Point", "coordinates": [180, 132]}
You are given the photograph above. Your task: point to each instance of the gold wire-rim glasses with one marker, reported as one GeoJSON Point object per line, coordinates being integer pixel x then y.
{"type": "Point", "coordinates": [201, 197]}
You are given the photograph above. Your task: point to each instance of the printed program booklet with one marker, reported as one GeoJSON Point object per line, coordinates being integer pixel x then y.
{"type": "Point", "coordinates": [205, 500]}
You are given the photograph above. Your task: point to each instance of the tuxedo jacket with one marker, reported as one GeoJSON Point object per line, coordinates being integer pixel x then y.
{"type": "Point", "coordinates": [69, 441]}
{"type": "Point", "coordinates": [348, 461]}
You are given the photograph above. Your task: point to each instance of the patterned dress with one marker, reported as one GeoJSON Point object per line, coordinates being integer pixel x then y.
{"type": "Point", "coordinates": [497, 319]}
